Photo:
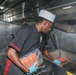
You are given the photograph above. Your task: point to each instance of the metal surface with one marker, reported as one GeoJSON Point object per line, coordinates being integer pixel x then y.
{"type": "Point", "coordinates": [64, 4]}
{"type": "Point", "coordinates": [6, 29]}
{"type": "Point", "coordinates": [69, 64]}
{"type": "Point", "coordinates": [65, 27]}
{"type": "Point", "coordinates": [65, 18]}
{"type": "Point", "coordinates": [56, 44]}
{"type": "Point", "coordinates": [64, 40]}
{"type": "Point", "coordinates": [68, 41]}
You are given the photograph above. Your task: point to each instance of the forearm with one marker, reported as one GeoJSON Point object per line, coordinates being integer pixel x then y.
{"type": "Point", "coordinates": [48, 56]}
{"type": "Point", "coordinates": [51, 58]}
{"type": "Point", "coordinates": [11, 54]}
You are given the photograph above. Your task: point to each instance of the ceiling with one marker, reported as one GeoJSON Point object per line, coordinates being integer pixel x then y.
{"type": "Point", "coordinates": [30, 4]}
{"type": "Point", "coordinates": [21, 10]}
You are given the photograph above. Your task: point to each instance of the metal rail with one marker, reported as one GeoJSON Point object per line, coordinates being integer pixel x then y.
{"type": "Point", "coordinates": [62, 5]}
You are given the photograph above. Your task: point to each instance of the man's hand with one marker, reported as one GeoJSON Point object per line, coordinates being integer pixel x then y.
{"type": "Point", "coordinates": [33, 68]}
{"type": "Point", "coordinates": [56, 62]}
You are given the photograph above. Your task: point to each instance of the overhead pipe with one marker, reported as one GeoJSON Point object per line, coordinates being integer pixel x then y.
{"type": "Point", "coordinates": [23, 6]}
{"type": "Point", "coordinates": [33, 8]}
{"type": "Point", "coordinates": [1, 6]}
{"type": "Point", "coordinates": [3, 3]}
{"type": "Point", "coordinates": [62, 5]}
{"type": "Point", "coordinates": [12, 6]}
{"type": "Point", "coordinates": [23, 10]}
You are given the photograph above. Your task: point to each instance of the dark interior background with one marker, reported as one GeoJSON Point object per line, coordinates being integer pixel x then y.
{"type": "Point", "coordinates": [19, 12]}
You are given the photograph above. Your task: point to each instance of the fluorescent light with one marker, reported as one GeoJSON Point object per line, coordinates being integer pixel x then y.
{"type": "Point", "coordinates": [1, 7]}
{"type": "Point", "coordinates": [67, 7]}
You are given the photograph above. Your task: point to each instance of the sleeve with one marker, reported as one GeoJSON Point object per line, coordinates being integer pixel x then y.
{"type": "Point", "coordinates": [19, 39]}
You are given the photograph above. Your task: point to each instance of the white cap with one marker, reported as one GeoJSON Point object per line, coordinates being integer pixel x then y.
{"type": "Point", "coordinates": [47, 15]}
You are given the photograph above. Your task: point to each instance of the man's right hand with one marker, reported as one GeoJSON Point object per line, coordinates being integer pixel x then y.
{"type": "Point", "coordinates": [33, 68]}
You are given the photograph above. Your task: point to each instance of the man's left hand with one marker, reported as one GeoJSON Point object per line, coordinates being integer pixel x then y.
{"type": "Point", "coordinates": [56, 61]}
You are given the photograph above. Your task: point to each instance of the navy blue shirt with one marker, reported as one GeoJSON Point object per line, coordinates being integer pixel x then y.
{"type": "Point", "coordinates": [27, 39]}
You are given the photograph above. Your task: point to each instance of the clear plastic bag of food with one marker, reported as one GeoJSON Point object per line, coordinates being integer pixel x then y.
{"type": "Point", "coordinates": [30, 58]}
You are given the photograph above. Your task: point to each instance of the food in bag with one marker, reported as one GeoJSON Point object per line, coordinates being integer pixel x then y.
{"type": "Point", "coordinates": [32, 57]}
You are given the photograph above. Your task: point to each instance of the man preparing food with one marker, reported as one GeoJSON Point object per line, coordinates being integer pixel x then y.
{"type": "Point", "coordinates": [26, 40]}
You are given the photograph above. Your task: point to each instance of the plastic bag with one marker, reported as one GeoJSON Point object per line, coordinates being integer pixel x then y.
{"type": "Point", "coordinates": [30, 58]}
